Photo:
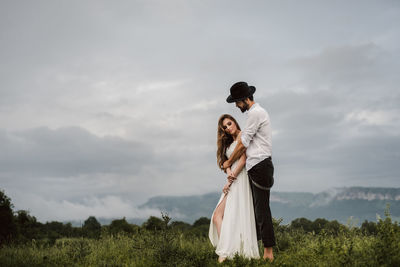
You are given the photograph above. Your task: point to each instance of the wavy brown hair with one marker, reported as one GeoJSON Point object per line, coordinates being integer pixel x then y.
{"type": "Point", "coordinates": [224, 140]}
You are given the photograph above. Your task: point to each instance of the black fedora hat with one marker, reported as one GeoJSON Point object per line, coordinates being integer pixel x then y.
{"type": "Point", "coordinates": [240, 91]}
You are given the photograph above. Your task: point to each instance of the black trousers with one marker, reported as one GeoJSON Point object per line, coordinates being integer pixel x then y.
{"type": "Point", "coordinates": [261, 178]}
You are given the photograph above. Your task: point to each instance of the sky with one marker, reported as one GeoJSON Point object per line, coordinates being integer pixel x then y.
{"type": "Point", "coordinates": [104, 104]}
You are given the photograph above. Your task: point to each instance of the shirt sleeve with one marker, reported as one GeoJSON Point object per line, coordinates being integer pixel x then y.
{"type": "Point", "coordinates": [252, 125]}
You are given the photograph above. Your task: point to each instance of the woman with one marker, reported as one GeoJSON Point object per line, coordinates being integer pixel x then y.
{"type": "Point", "coordinates": [232, 227]}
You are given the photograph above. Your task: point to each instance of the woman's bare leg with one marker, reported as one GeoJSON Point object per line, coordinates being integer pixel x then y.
{"type": "Point", "coordinates": [219, 215]}
{"type": "Point", "coordinates": [217, 219]}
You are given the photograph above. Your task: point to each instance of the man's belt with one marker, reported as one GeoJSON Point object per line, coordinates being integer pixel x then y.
{"type": "Point", "coordinates": [260, 186]}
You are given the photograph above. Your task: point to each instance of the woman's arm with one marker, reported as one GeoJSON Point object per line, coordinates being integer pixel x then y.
{"type": "Point", "coordinates": [233, 176]}
{"type": "Point", "coordinates": [237, 152]}
{"type": "Point", "coordinates": [241, 163]}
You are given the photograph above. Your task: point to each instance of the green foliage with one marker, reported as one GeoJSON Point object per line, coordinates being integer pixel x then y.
{"type": "Point", "coordinates": [121, 226]}
{"type": "Point", "coordinates": [153, 224]}
{"type": "Point", "coordinates": [200, 227]}
{"type": "Point", "coordinates": [388, 241]}
{"type": "Point", "coordinates": [202, 221]}
{"type": "Point", "coordinates": [28, 227]}
{"type": "Point", "coordinates": [8, 227]}
{"type": "Point", "coordinates": [91, 227]}
{"type": "Point", "coordinates": [317, 226]}
{"type": "Point", "coordinates": [369, 228]}
{"type": "Point", "coordinates": [302, 223]}
{"type": "Point", "coordinates": [180, 226]}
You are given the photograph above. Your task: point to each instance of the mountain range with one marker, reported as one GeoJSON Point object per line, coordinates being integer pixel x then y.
{"type": "Point", "coordinates": [348, 205]}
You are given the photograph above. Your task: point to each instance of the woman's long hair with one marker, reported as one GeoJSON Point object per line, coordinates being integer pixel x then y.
{"type": "Point", "coordinates": [224, 140]}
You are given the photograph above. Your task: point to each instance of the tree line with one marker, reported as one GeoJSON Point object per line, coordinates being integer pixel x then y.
{"type": "Point", "coordinates": [21, 227]}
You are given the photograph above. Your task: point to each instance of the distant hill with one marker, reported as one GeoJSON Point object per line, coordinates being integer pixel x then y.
{"type": "Point", "coordinates": [360, 203]}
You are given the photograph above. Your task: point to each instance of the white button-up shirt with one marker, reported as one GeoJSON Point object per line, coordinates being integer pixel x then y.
{"type": "Point", "coordinates": [257, 136]}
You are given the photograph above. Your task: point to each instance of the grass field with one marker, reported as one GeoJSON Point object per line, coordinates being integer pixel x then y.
{"type": "Point", "coordinates": [171, 247]}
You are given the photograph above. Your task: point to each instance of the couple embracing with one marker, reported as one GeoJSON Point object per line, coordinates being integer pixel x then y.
{"type": "Point", "coordinates": [242, 215]}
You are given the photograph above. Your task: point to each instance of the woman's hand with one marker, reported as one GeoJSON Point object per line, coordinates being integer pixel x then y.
{"type": "Point", "coordinates": [231, 176]}
{"type": "Point", "coordinates": [226, 188]}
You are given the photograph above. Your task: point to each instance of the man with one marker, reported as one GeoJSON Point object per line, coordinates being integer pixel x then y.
{"type": "Point", "coordinates": [255, 139]}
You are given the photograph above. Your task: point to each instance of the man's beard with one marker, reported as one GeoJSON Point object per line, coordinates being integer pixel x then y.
{"type": "Point", "coordinates": [245, 107]}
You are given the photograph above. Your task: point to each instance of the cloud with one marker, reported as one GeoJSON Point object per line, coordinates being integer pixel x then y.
{"type": "Point", "coordinates": [68, 152]}
{"type": "Point", "coordinates": [337, 122]}
{"type": "Point", "coordinates": [101, 100]}
{"type": "Point", "coordinates": [109, 206]}
{"type": "Point", "coordinates": [369, 117]}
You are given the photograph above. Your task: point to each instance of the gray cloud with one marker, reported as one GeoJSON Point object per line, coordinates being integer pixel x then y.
{"type": "Point", "coordinates": [341, 122]}
{"type": "Point", "coordinates": [104, 105]}
{"type": "Point", "coordinates": [69, 152]}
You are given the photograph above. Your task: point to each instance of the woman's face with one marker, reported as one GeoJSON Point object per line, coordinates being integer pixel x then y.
{"type": "Point", "coordinates": [229, 126]}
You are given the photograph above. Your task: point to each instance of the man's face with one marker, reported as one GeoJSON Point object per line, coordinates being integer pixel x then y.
{"type": "Point", "coordinates": [242, 105]}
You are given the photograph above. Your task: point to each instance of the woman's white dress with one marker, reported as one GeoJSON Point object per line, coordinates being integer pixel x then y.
{"type": "Point", "coordinates": [238, 229]}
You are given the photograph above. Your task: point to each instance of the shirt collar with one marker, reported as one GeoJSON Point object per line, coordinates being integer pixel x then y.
{"type": "Point", "coordinates": [253, 107]}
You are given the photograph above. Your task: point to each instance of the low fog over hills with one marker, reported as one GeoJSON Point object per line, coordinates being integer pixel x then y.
{"type": "Point", "coordinates": [358, 203]}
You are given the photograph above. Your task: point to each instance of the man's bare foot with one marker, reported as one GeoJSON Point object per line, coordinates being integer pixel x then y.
{"type": "Point", "coordinates": [221, 259]}
{"type": "Point", "coordinates": [270, 258]}
{"type": "Point", "coordinates": [268, 254]}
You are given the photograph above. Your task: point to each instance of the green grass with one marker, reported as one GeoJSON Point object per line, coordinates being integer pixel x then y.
{"type": "Point", "coordinates": [169, 246]}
